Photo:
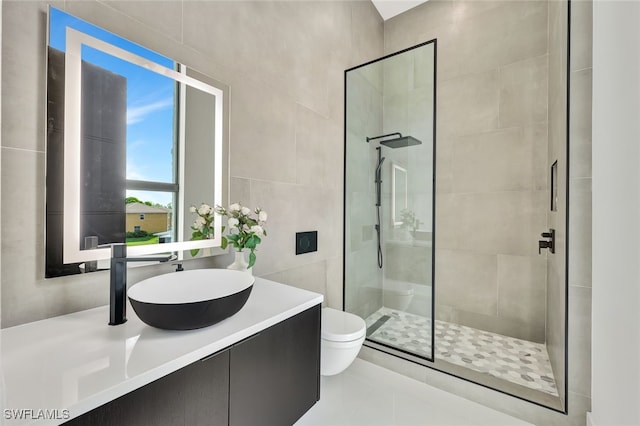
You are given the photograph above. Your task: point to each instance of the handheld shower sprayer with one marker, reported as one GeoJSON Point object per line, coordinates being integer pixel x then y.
{"type": "Point", "coordinates": [391, 140]}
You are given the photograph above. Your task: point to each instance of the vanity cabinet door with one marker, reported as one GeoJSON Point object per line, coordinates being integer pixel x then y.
{"type": "Point", "coordinates": [275, 374]}
{"type": "Point", "coordinates": [195, 395]}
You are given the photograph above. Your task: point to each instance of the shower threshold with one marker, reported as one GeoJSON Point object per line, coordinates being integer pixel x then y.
{"type": "Point", "coordinates": [514, 360]}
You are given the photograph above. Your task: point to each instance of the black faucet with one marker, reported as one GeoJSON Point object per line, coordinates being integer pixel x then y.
{"type": "Point", "coordinates": [548, 244]}
{"type": "Point", "coordinates": [118, 281]}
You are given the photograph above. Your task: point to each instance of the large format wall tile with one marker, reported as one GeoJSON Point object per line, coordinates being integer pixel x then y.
{"type": "Point", "coordinates": [266, 50]}
{"type": "Point", "coordinates": [409, 29]}
{"type": "Point", "coordinates": [310, 277]}
{"type": "Point", "coordinates": [495, 222]}
{"type": "Point", "coordinates": [263, 140]}
{"type": "Point", "coordinates": [165, 16]}
{"type": "Point", "coordinates": [334, 295]}
{"type": "Point", "coordinates": [319, 146]}
{"type": "Point", "coordinates": [22, 175]}
{"type": "Point", "coordinates": [522, 292]}
{"type": "Point", "coordinates": [501, 160]}
{"type": "Point", "coordinates": [580, 232]}
{"type": "Point", "coordinates": [362, 50]}
{"type": "Point", "coordinates": [468, 104]}
{"type": "Point", "coordinates": [582, 35]}
{"type": "Point", "coordinates": [296, 208]}
{"type": "Point", "coordinates": [580, 122]}
{"type": "Point", "coordinates": [523, 92]}
{"type": "Point", "coordinates": [467, 281]}
{"type": "Point", "coordinates": [580, 340]}
{"type": "Point", "coordinates": [502, 35]}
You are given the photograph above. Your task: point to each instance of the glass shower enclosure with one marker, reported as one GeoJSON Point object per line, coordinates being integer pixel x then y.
{"type": "Point", "coordinates": [389, 199]}
{"type": "Point", "coordinates": [458, 261]}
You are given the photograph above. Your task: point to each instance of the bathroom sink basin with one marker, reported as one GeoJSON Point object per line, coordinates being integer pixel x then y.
{"type": "Point", "coordinates": [187, 300]}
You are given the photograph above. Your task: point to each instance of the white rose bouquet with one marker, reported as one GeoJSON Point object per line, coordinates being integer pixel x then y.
{"type": "Point", "coordinates": [244, 231]}
{"type": "Point", "coordinates": [203, 225]}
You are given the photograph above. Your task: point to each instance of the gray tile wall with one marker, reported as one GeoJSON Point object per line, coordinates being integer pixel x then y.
{"type": "Point", "coordinates": [579, 374]}
{"type": "Point", "coordinates": [284, 63]}
{"type": "Point", "coordinates": [437, 22]}
{"type": "Point", "coordinates": [491, 150]}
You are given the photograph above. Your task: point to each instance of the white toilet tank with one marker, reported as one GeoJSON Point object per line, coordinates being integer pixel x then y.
{"type": "Point", "coordinates": [341, 339]}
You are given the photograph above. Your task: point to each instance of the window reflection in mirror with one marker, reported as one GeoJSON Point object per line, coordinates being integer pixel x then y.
{"type": "Point", "coordinates": [135, 120]}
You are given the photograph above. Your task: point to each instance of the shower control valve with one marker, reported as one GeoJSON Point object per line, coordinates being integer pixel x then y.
{"type": "Point", "coordinates": [548, 244]}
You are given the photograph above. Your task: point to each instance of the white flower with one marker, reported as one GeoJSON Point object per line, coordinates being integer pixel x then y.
{"type": "Point", "coordinates": [245, 228]}
{"type": "Point", "coordinates": [233, 222]}
{"type": "Point", "coordinates": [200, 222]}
{"type": "Point", "coordinates": [257, 229]}
{"type": "Point", "coordinates": [234, 207]}
{"type": "Point", "coordinates": [262, 216]}
{"type": "Point", "coordinates": [204, 210]}
{"type": "Point", "coordinates": [192, 209]}
{"type": "Point", "coordinates": [245, 210]}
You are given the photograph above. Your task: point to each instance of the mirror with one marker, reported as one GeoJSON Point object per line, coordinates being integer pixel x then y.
{"type": "Point", "coordinates": [399, 194]}
{"type": "Point", "coordinates": [134, 140]}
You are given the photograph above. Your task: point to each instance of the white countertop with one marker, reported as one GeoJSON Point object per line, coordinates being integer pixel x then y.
{"type": "Point", "coordinates": [77, 362]}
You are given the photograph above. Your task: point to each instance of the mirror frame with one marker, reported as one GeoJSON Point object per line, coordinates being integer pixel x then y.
{"type": "Point", "coordinates": [72, 146]}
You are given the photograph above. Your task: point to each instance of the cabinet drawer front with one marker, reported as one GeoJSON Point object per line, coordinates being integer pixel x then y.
{"type": "Point", "coordinates": [275, 375]}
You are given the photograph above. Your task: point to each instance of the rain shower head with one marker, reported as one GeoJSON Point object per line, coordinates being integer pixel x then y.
{"type": "Point", "coordinates": [401, 142]}
{"type": "Point", "coordinates": [398, 141]}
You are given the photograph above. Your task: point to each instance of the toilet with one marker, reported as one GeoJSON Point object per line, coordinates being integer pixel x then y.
{"type": "Point", "coordinates": [341, 339]}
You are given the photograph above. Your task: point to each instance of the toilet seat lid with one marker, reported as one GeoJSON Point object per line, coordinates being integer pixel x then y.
{"type": "Point", "coordinates": [339, 326]}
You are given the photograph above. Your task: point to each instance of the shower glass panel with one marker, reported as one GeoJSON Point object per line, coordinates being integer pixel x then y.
{"type": "Point", "coordinates": [389, 198]}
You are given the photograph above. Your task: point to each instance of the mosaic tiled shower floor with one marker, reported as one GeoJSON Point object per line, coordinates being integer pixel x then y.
{"type": "Point", "coordinates": [518, 361]}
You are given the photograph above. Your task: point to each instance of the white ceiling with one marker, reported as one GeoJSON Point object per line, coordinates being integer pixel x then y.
{"type": "Point", "coordinates": [390, 8]}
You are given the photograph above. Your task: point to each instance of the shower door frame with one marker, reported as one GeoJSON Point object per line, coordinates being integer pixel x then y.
{"type": "Point", "coordinates": [368, 342]}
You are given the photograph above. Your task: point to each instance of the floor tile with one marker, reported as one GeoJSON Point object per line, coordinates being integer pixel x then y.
{"type": "Point", "coordinates": [366, 394]}
{"type": "Point", "coordinates": [515, 360]}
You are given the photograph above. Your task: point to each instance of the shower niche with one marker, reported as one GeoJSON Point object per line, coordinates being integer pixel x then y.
{"type": "Point", "coordinates": [442, 253]}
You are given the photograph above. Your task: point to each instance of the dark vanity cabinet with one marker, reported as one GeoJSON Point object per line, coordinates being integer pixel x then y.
{"type": "Point", "coordinates": [270, 378]}
{"type": "Point", "coordinates": [274, 375]}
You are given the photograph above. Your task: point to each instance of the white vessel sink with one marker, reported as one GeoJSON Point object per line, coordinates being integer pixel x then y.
{"type": "Point", "coordinates": [193, 299]}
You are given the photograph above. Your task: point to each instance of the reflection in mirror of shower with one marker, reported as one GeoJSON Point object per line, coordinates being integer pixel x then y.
{"type": "Point", "coordinates": [397, 141]}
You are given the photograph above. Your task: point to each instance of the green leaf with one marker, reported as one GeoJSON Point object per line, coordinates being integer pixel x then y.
{"type": "Point", "coordinates": [224, 243]}
{"type": "Point", "coordinates": [252, 259]}
{"type": "Point", "coordinates": [194, 252]}
{"type": "Point", "coordinates": [251, 242]}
